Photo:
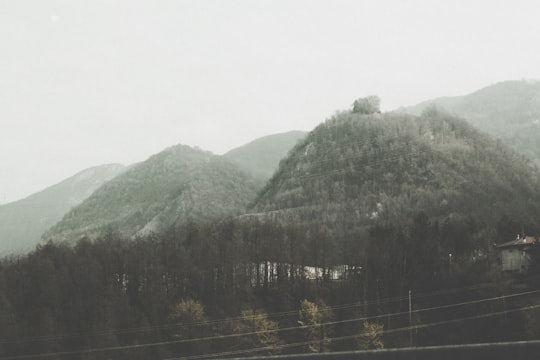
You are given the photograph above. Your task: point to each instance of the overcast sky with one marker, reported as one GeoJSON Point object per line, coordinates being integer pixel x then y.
{"type": "Point", "coordinates": [90, 82]}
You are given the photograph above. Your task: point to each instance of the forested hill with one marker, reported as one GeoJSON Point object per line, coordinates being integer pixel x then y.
{"type": "Point", "coordinates": [363, 211]}
{"type": "Point", "coordinates": [22, 222]}
{"type": "Point", "coordinates": [261, 156]}
{"type": "Point", "coordinates": [508, 110]}
{"type": "Point", "coordinates": [172, 186]}
{"type": "Point", "coordinates": [355, 173]}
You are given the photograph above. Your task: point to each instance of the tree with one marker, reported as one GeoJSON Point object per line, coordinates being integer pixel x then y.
{"type": "Point", "coordinates": [312, 319]}
{"type": "Point", "coordinates": [367, 105]}
{"type": "Point", "coordinates": [8, 322]}
{"type": "Point", "coordinates": [188, 315]}
{"type": "Point", "coordinates": [371, 336]}
{"type": "Point", "coordinates": [188, 311]}
{"type": "Point", "coordinates": [260, 332]}
{"type": "Point", "coordinates": [422, 253]}
{"type": "Point", "coordinates": [534, 267]}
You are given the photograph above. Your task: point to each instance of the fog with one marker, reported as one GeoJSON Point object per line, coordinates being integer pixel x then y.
{"type": "Point", "coordinates": [85, 83]}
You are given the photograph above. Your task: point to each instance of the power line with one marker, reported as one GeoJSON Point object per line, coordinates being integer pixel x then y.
{"type": "Point", "coordinates": [348, 337]}
{"type": "Point", "coordinates": [220, 337]}
{"type": "Point", "coordinates": [225, 321]}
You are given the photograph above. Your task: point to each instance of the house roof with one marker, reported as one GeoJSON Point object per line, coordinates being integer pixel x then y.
{"type": "Point", "coordinates": [520, 241]}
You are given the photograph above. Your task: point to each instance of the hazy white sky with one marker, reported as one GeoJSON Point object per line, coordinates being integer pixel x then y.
{"type": "Point", "coordinates": [84, 83]}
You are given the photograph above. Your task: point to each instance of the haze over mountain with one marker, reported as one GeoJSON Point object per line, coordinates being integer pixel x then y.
{"type": "Point", "coordinates": [23, 222]}
{"type": "Point", "coordinates": [384, 203]}
{"type": "Point", "coordinates": [508, 110]}
{"type": "Point", "coordinates": [175, 185]}
{"type": "Point", "coordinates": [261, 156]}
{"type": "Point", "coordinates": [354, 173]}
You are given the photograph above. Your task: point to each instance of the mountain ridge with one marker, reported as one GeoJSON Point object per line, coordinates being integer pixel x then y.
{"type": "Point", "coordinates": [171, 186]}
{"type": "Point", "coordinates": [354, 173]}
{"type": "Point", "coordinates": [262, 156]}
{"type": "Point", "coordinates": [508, 110]}
{"type": "Point", "coordinates": [22, 222]}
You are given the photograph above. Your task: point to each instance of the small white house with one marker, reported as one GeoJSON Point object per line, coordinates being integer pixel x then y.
{"type": "Point", "coordinates": [514, 255]}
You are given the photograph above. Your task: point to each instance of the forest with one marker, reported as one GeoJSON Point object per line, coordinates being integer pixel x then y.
{"type": "Point", "coordinates": [241, 287]}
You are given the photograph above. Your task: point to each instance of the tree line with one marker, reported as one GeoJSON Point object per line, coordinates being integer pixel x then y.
{"type": "Point", "coordinates": [212, 281]}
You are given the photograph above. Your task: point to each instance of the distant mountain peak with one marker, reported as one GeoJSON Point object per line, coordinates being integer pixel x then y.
{"type": "Point", "coordinates": [356, 170]}
{"type": "Point", "coordinates": [261, 156]}
{"type": "Point", "coordinates": [177, 183]}
{"type": "Point", "coordinates": [508, 110]}
{"type": "Point", "coordinates": [23, 222]}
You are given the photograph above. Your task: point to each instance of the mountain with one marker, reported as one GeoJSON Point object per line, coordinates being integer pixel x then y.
{"type": "Point", "coordinates": [261, 156]}
{"type": "Point", "coordinates": [172, 186]}
{"type": "Point", "coordinates": [22, 222]}
{"type": "Point", "coordinates": [508, 110]}
{"type": "Point", "coordinates": [354, 174]}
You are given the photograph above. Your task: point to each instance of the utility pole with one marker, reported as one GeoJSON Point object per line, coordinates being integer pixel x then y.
{"type": "Point", "coordinates": [410, 319]}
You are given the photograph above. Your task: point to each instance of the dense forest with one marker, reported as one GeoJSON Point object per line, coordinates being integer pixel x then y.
{"type": "Point", "coordinates": [377, 230]}
{"type": "Point", "coordinates": [235, 288]}
{"type": "Point", "coordinates": [384, 166]}
{"type": "Point", "coordinates": [356, 173]}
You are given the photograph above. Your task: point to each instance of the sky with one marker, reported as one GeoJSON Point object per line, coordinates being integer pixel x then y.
{"type": "Point", "coordinates": [85, 83]}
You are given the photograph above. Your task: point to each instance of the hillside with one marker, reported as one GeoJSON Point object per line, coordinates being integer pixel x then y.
{"type": "Point", "coordinates": [261, 156]}
{"type": "Point", "coordinates": [355, 174]}
{"type": "Point", "coordinates": [365, 210]}
{"type": "Point", "coordinates": [22, 222]}
{"type": "Point", "coordinates": [171, 186]}
{"type": "Point", "coordinates": [508, 110]}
